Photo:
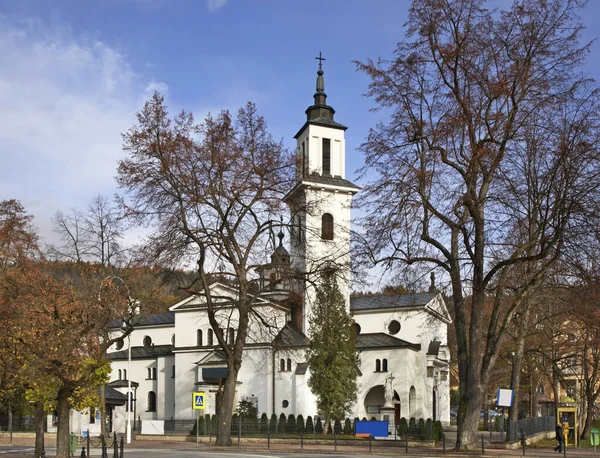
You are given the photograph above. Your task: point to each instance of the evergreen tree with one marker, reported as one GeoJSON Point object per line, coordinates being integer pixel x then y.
{"type": "Point", "coordinates": [264, 423]}
{"type": "Point", "coordinates": [347, 427]}
{"type": "Point", "coordinates": [309, 425]}
{"type": "Point", "coordinates": [300, 424]}
{"type": "Point", "coordinates": [281, 424]}
{"type": "Point", "coordinates": [290, 426]}
{"type": "Point", "coordinates": [332, 356]}
{"type": "Point", "coordinates": [319, 426]}
{"type": "Point", "coordinates": [273, 423]}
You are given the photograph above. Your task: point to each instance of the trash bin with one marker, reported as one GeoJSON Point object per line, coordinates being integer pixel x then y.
{"type": "Point", "coordinates": [594, 437]}
{"type": "Point", "coordinates": [72, 443]}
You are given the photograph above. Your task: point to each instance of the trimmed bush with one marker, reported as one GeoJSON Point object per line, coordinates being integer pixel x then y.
{"type": "Point", "coordinates": [319, 426]}
{"type": "Point", "coordinates": [290, 425]}
{"type": "Point", "coordinates": [309, 429]}
{"type": "Point", "coordinates": [421, 427]}
{"type": "Point", "coordinates": [264, 423]}
{"type": "Point", "coordinates": [337, 427]}
{"type": "Point", "coordinates": [428, 430]}
{"type": "Point", "coordinates": [403, 427]}
{"type": "Point", "coordinates": [412, 426]}
{"type": "Point", "coordinates": [330, 428]}
{"type": "Point", "coordinates": [273, 423]}
{"type": "Point", "coordinates": [300, 424]}
{"type": "Point", "coordinates": [281, 424]}
{"type": "Point", "coordinates": [438, 430]}
{"type": "Point", "coordinates": [347, 427]}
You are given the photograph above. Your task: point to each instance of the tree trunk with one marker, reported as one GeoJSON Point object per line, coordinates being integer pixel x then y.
{"type": "Point", "coordinates": [39, 429]}
{"type": "Point", "coordinates": [515, 376]}
{"type": "Point", "coordinates": [468, 422]}
{"type": "Point", "coordinates": [10, 423]}
{"type": "Point", "coordinates": [102, 407]}
{"type": "Point", "coordinates": [226, 408]}
{"type": "Point", "coordinates": [63, 429]}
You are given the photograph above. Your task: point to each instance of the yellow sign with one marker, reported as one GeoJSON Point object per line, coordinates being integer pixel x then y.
{"type": "Point", "coordinates": [198, 400]}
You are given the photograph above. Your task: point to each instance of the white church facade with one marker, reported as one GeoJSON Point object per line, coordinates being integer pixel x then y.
{"type": "Point", "coordinates": [402, 338]}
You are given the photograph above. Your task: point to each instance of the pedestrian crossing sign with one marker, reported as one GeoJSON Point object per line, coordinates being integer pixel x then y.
{"type": "Point", "coordinates": [198, 400]}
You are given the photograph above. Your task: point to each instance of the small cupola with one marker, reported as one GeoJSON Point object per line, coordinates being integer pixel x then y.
{"type": "Point", "coordinates": [280, 255]}
{"type": "Point", "coordinates": [320, 110]}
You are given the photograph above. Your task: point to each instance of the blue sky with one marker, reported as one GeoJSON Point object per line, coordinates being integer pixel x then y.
{"type": "Point", "coordinates": [74, 72]}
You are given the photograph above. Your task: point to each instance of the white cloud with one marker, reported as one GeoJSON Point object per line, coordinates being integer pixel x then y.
{"type": "Point", "coordinates": [214, 5]}
{"type": "Point", "coordinates": [63, 105]}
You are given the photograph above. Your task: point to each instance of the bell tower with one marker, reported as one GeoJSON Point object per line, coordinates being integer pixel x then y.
{"type": "Point", "coordinates": [320, 201]}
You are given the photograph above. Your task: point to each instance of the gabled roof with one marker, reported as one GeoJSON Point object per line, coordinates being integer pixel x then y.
{"type": "Point", "coordinates": [152, 351]}
{"type": "Point", "coordinates": [221, 293]}
{"type": "Point", "coordinates": [385, 302]}
{"type": "Point", "coordinates": [381, 340]}
{"type": "Point", "coordinates": [214, 357]}
{"type": "Point", "coordinates": [114, 397]}
{"type": "Point", "coordinates": [122, 384]}
{"type": "Point", "coordinates": [290, 337]}
{"type": "Point", "coordinates": [156, 319]}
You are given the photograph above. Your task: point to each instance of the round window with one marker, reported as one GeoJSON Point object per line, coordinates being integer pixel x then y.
{"type": "Point", "coordinates": [394, 327]}
{"type": "Point", "coordinates": [119, 344]}
{"type": "Point", "coordinates": [147, 341]}
{"type": "Point", "coordinates": [356, 328]}
{"type": "Point", "coordinates": [285, 403]}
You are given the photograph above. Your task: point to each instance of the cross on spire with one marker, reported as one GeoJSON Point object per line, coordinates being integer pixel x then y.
{"type": "Point", "coordinates": [320, 59]}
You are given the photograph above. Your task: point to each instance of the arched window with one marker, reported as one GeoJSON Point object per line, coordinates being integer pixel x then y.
{"type": "Point", "coordinates": [149, 374]}
{"type": "Point", "coordinates": [210, 337]}
{"type": "Point", "coordinates": [173, 340]}
{"type": "Point", "coordinates": [378, 365]}
{"type": "Point", "coordinates": [120, 374]}
{"type": "Point", "coordinates": [151, 405]}
{"type": "Point", "coordinates": [124, 374]}
{"type": "Point", "coordinates": [282, 365]}
{"type": "Point", "coordinates": [119, 344]}
{"type": "Point", "coordinates": [384, 368]}
{"type": "Point", "coordinates": [154, 373]}
{"type": "Point", "coordinates": [231, 336]}
{"type": "Point", "coordinates": [327, 226]}
{"type": "Point", "coordinates": [289, 364]}
{"type": "Point", "coordinates": [199, 337]}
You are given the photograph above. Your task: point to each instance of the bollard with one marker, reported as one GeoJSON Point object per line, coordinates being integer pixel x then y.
{"type": "Point", "coordinates": [269, 439]}
{"type": "Point", "coordinates": [43, 454]}
{"type": "Point", "coordinates": [406, 443]}
{"type": "Point", "coordinates": [370, 437]}
{"type": "Point", "coordinates": [115, 446]}
{"type": "Point", "coordinates": [523, 441]}
{"type": "Point", "coordinates": [444, 443]}
{"type": "Point", "coordinates": [122, 446]}
{"type": "Point", "coordinates": [334, 440]}
{"type": "Point", "coordinates": [82, 453]}
{"type": "Point", "coordinates": [88, 442]}
{"type": "Point", "coordinates": [104, 448]}
{"type": "Point", "coordinates": [482, 447]}
{"type": "Point", "coordinates": [302, 439]}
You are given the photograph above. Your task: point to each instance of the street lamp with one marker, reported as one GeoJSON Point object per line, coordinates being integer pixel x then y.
{"type": "Point", "coordinates": [124, 329]}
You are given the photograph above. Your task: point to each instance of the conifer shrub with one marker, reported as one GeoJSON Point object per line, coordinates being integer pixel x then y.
{"type": "Point", "coordinates": [337, 427]}
{"type": "Point", "coordinates": [412, 426]}
{"type": "Point", "coordinates": [438, 430]}
{"type": "Point", "coordinates": [264, 423]}
{"type": "Point", "coordinates": [281, 424]}
{"type": "Point", "coordinates": [290, 426]}
{"type": "Point", "coordinates": [309, 429]}
{"type": "Point", "coordinates": [428, 430]}
{"type": "Point", "coordinates": [273, 423]}
{"type": "Point", "coordinates": [319, 426]}
{"type": "Point", "coordinates": [402, 427]}
{"type": "Point", "coordinates": [421, 427]}
{"type": "Point", "coordinates": [300, 424]}
{"type": "Point", "coordinates": [347, 427]}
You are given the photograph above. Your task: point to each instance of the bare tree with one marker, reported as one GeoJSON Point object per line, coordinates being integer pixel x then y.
{"type": "Point", "coordinates": [213, 191]}
{"type": "Point", "coordinates": [488, 160]}
{"type": "Point", "coordinates": [93, 236]}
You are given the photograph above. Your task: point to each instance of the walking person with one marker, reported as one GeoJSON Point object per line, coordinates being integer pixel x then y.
{"type": "Point", "coordinates": [560, 437]}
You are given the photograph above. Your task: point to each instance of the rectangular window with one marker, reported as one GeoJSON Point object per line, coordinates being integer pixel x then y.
{"type": "Point", "coordinates": [303, 160]}
{"type": "Point", "coordinates": [326, 156]}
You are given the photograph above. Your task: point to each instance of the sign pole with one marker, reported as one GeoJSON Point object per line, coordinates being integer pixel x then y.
{"type": "Point", "coordinates": [197, 427]}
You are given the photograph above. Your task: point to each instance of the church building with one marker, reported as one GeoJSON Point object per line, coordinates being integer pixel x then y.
{"type": "Point", "coordinates": [402, 339]}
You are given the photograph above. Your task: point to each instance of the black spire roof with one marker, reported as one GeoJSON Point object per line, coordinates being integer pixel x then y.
{"type": "Point", "coordinates": [320, 113]}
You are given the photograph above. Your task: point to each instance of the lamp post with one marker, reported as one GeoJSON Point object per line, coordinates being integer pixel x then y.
{"type": "Point", "coordinates": [124, 329]}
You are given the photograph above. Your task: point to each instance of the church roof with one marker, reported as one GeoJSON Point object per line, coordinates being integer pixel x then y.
{"type": "Point", "coordinates": [122, 384]}
{"type": "Point", "coordinates": [382, 301]}
{"type": "Point", "coordinates": [321, 121]}
{"type": "Point", "coordinates": [143, 352]}
{"type": "Point", "coordinates": [382, 340]}
{"type": "Point", "coordinates": [156, 319]}
{"type": "Point", "coordinates": [290, 336]}
{"type": "Point", "coordinates": [434, 347]}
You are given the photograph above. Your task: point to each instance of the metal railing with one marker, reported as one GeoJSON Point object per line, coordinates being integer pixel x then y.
{"type": "Point", "coordinates": [529, 427]}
